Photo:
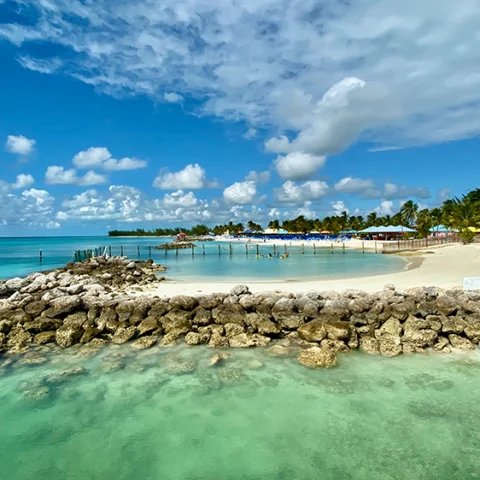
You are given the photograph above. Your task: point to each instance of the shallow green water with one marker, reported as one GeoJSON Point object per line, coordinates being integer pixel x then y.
{"type": "Point", "coordinates": [254, 417]}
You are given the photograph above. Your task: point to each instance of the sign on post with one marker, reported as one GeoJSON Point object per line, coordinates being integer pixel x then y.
{"type": "Point", "coordinates": [471, 283]}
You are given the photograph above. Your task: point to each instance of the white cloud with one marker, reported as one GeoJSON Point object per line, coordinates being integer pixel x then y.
{"type": "Point", "coordinates": [100, 157]}
{"type": "Point", "coordinates": [391, 191]}
{"type": "Point", "coordinates": [261, 178]}
{"type": "Point", "coordinates": [353, 185]}
{"type": "Point", "coordinates": [385, 208]}
{"type": "Point", "coordinates": [123, 164]}
{"type": "Point", "coordinates": [40, 65]}
{"type": "Point", "coordinates": [180, 199]}
{"type": "Point", "coordinates": [192, 177]}
{"type": "Point", "coordinates": [298, 165]}
{"type": "Point", "coordinates": [32, 208]}
{"type": "Point", "coordinates": [293, 193]}
{"type": "Point", "coordinates": [339, 207]}
{"type": "Point", "coordinates": [19, 145]}
{"type": "Point", "coordinates": [93, 157]}
{"type": "Point", "coordinates": [409, 69]}
{"type": "Point", "coordinates": [240, 193]}
{"type": "Point", "coordinates": [250, 133]}
{"type": "Point", "coordinates": [57, 175]}
{"type": "Point", "coordinates": [173, 97]}
{"type": "Point", "coordinates": [23, 181]}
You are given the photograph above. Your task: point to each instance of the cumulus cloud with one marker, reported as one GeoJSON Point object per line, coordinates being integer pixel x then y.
{"type": "Point", "coordinates": [23, 181]}
{"type": "Point", "coordinates": [57, 175]}
{"type": "Point", "coordinates": [19, 145]}
{"type": "Point", "coordinates": [173, 97]}
{"type": "Point", "coordinates": [32, 208]}
{"type": "Point", "coordinates": [250, 133]}
{"type": "Point", "coordinates": [100, 157]}
{"type": "Point", "coordinates": [192, 177]}
{"type": "Point", "coordinates": [385, 208]}
{"type": "Point", "coordinates": [353, 185]}
{"type": "Point", "coordinates": [392, 191]}
{"type": "Point", "coordinates": [339, 207]}
{"type": "Point", "coordinates": [240, 193]}
{"type": "Point", "coordinates": [261, 178]}
{"type": "Point", "coordinates": [180, 199]}
{"type": "Point", "coordinates": [294, 194]}
{"type": "Point", "coordinates": [298, 165]}
{"type": "Point", "coordinates": [394, 72]}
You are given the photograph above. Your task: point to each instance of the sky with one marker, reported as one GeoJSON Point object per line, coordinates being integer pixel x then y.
{"type": "Point", "coordinates": [120, 114]}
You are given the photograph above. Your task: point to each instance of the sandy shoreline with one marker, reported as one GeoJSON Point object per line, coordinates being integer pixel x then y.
{"type": "Point", "coordinates": [443, 267]}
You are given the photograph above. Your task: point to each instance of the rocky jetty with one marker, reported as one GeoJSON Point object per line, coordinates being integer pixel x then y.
{"type": "Point", "coordinates": [175, 246]}
{"type": "Point", "coordinates": [78, 305]}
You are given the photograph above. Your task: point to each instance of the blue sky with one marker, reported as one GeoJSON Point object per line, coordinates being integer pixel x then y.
{"type": "Point", "coordinates": [117, 115]}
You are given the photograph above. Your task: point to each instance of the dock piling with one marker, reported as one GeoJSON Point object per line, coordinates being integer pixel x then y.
{"type": "Point", "coordinates": [314, 249]}
{"type": "Point", "coordinates": [363, 247]}
{"type": "Point", "coordinates": [149, 251]}
{"type": "Point", "coordinates": [332, 248]}
{"type": "Point", "coordinates": [203, 249]}
{"type": "Point", "coordinates": [138, 250]}
{"type": "Point", "coordinates": [41, 256]}
{"type": "Point", "coordinates": [219, 250]}
{"type": "Point", "coordinates": [121, 251]}
{"type": "Point", "coordinates": [343, 245]}
{"type": "Point", "coordinates": [303, 248]}
{"type": "Point", "coordinates": [230, 248]}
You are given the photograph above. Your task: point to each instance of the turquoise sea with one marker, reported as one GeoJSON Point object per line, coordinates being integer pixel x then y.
{"type": "Point", "coordinates": [20, 256]}
{"type": "Point", "coordinates": [134, 416]}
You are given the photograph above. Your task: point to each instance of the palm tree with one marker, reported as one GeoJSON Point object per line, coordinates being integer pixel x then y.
{"type": "Point", "coordinates": [409, 212]}
{"type": "Point", "coordinates": [464, 214]}
{"type": "Point", "coordinates": [372, 219]}
{"type": "Point", "coordinates": [424, 222]}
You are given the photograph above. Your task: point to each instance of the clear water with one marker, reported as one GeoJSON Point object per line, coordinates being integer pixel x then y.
{"type": "Point", "coordinates": [254, 417]}
{"type": "Point", "coordinates": [20, 256]}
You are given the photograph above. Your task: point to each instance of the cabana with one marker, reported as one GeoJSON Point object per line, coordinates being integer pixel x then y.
{"type": "Point", "coordinates": [388, 232]}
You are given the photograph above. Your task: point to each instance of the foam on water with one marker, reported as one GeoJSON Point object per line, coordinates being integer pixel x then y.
{"type": "Point", "coordinates": [132, 417]}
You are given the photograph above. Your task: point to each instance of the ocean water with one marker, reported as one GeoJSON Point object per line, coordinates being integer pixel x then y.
{"type": "Point", "coordinates": [132, 416]}
{"type": "Point", "coordinates": [20, 256]}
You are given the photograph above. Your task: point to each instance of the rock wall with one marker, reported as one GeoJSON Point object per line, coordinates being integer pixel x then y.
{"type": "Point", "coordinates": [80, 305]}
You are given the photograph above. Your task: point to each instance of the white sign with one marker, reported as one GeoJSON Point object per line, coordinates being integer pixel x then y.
{"type": "Point", "coordinates": [471, 283]}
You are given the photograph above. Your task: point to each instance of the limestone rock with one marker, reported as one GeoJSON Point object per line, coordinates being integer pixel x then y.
{"type": "Point", "coordinates": [218, 358]}
{"type": "Point", "coordinates": [203, 317]}
{"type": "Point", "coordinates": [317, 357]}
{"type": "Point", "coordinates": [148, 325]}
{"type": "Point", "coordinates": [239, 290]}
{"type": "Point", "coordinates": [267, 327]}
{"type": "Point", "coordinates": [217, 340]}
{"type": "Point", "coordinates": [62, 305]}
{"type": "Point", "coordinates": [180, 367]}
{"type": "Point", "coordinates": [313, 331]}
{"type": "Point", "coordinates": [334, 345]}
{"type": "Point", "coordinates": [337, 330]}
{"type": "Point", "coordinates": [369, 345]}
{"type": "Point", "coordinates": [460, 342]}
{"type": "Point", "coordinates": [144, 342]}
{"type": "Point", "coordinates": [194, 338]}
{"type": "Point", "coordinates": [89, 334]}
{"type": "Point", "coordinates": [244, 340]}
{"type": "Point", "coordinates": [123, 335]}
{"type": "Point", "coordinates": [68, 335]}
{"type": "Point", "coordinates": [45, 337]}
{"type": "Point", "coordinates": [286, 314]}
{"type": "Point", "coordinates": [64, 375]}
{"type": "Point", "coordinates": [453, 325]}
{"type": "Point", "coordinates": [233, 329]}
{"type": "Point", "coordinates": [184, 302]}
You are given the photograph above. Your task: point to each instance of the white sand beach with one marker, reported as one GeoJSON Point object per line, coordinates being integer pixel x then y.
{"type": "Point", "coordinates": [443, 267]}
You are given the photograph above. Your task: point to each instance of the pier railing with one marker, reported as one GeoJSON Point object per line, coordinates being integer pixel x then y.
{"type": "Point", "coordinates": [230, 249]}
{"type": "Point", "coordinates": [418, 243]}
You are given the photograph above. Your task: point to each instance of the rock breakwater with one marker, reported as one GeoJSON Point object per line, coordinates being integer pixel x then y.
{"type": "Point", "coordinates": [79, 305]}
